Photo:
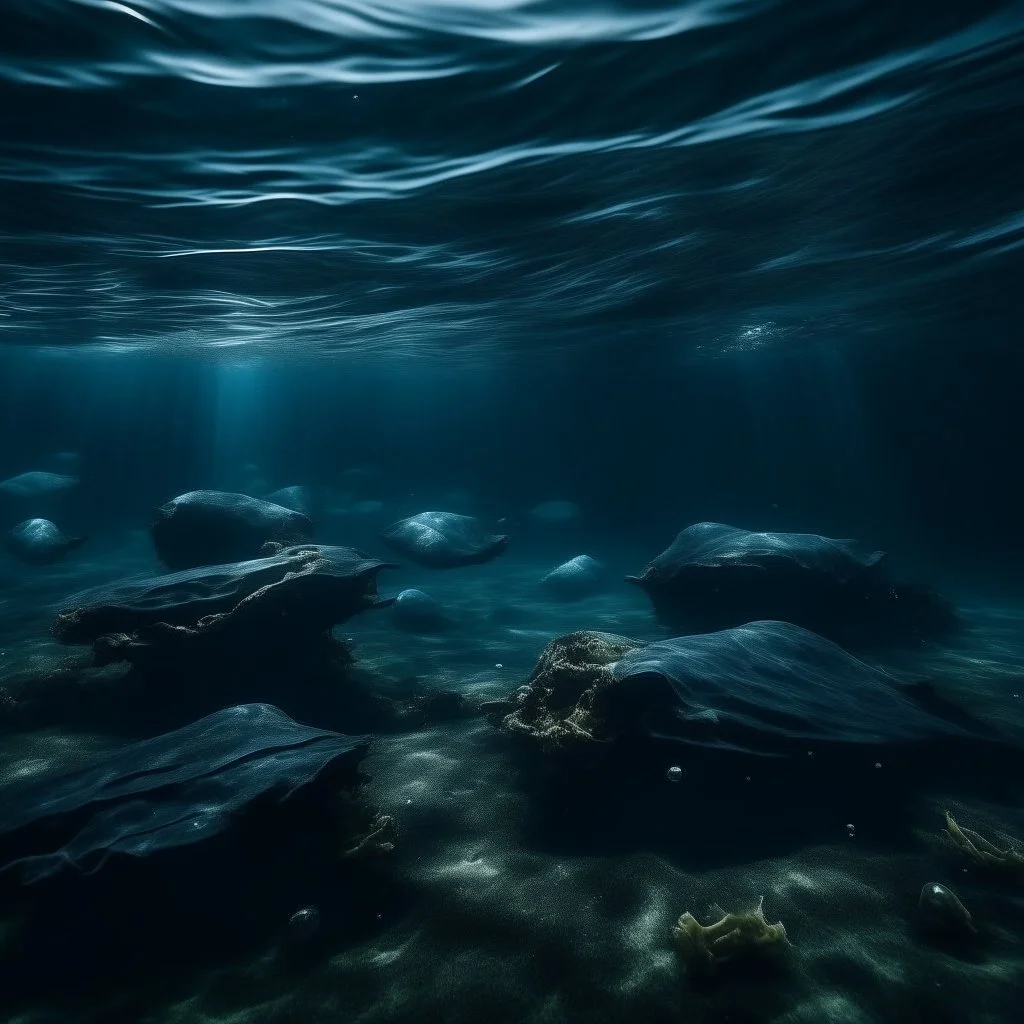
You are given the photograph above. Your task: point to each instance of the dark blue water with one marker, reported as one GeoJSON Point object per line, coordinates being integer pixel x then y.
{"type": "Point", "coordinates": [482, 179]}
{"type": "Point", "coordinates": [752, 262]}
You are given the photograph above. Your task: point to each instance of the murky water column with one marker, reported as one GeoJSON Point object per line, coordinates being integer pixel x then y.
{"type": "Point", "coordinates": [240, 396]}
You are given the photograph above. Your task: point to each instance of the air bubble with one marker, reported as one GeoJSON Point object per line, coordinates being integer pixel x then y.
{"type": "Point", "coordinates": [303, 924]}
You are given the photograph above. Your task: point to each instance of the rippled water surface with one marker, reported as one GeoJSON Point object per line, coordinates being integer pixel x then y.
{"type": "Point", "coordinates": [474, 177]}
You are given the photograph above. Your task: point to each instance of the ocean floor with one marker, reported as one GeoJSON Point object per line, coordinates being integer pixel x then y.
{"type": "Point", "coordinates": [529, 887]}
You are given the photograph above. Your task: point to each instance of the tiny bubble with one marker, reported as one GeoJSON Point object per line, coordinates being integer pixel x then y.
{"type": "Point", "coordinates": [675, 774]}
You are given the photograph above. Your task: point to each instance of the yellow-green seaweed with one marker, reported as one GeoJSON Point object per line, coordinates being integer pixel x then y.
{"type": "Point", "coordinates": [979, 850]}
{"type": "Point", "coordinates": [703, 948]}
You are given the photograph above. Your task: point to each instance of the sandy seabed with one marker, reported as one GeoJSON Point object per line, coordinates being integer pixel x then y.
{"type": "Point", "coordinates": [545, 889]}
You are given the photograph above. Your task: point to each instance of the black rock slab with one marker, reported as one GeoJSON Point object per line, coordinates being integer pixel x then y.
{"type": "Point", "coordinates": [771, 688]}
{"type": "Point", "coordinates": [318, 585]}
{"type": "Point", "coordinates": [177, 789]}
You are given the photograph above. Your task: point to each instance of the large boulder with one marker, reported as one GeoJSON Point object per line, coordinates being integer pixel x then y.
{"type": "Point", "coordinates": [174, 790]}
{"type": "Point", "coordinates": [764, 688]}
{"type": "Point", "coordinates": [213, 527]}
{"type": "Point", "coordinates": [715, 576]}
{"type": "Point", "coordinates": [287, 598]}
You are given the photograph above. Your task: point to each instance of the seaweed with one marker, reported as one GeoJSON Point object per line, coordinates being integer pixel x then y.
{"type": "Point", "coordinates": [981, 851]}
{"type": "Point", "coordinates": [733, 937]}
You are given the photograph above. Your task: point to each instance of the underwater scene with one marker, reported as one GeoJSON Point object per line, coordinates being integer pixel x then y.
{"type": "Point", "coordinates": [511, 511]}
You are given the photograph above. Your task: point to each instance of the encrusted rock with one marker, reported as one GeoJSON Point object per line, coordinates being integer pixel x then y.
{"type": "Point", "coordinates": [561, 703]}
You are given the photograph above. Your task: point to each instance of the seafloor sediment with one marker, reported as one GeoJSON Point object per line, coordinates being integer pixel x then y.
{"type": "Point", "coordinates": [539, 890]}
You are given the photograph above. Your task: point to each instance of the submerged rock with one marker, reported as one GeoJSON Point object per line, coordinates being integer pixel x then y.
{"type": "Point", "coordinates": [715, 576]}
{"type": "Point", "coordinates": [182, 645]}
{"type": "Point", "coordinates": [563, 701]}
{"type": "Point", "coordinates": [214, 527]}
{"type": "Point", "coordinates": [444, 540]}
{"type": "Point", "coordinates": [178, 789]}
{"type": "Point", "coordinates": [771, 688]}
{"type": "Point", "coordinates": [766, 688]}
{"type": "Point", "coordinates": [296, 497]}
{"type": "Point", "coordinates": [39, 542]}
{"type": "Point", "coordinates": [192, 847]}
{"type": "Point", "coordinates": [37, 484]}
{"type": "Point", "coordinates": [580, 577]}
{"type": "Point", "coordinates": [298, 593]}
{"type": "Point", "coordinates": [418, 612]}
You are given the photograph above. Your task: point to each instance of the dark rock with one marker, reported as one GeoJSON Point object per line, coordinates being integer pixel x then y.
{"type": "Point", "coordinates": [213, 527]}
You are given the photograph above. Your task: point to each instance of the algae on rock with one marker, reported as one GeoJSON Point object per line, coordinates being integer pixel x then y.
{"type": "Point", "coordinates": [561, 703]}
